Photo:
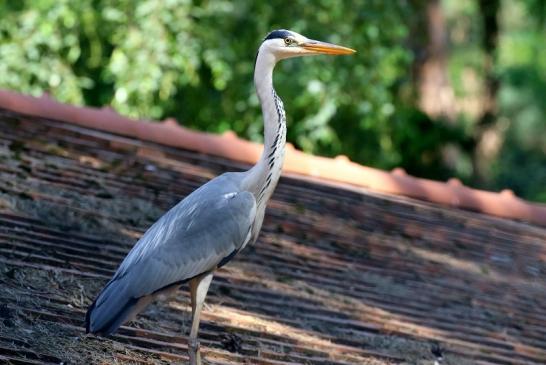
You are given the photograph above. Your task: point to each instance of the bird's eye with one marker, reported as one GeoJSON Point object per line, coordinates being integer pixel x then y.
{"type": "Point", "coordinates": [288, 41]}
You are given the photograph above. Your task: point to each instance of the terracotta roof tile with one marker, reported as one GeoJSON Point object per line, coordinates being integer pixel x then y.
{"type": "Point", "coordinates": [339, 275]}
{"type": "Point", "coordinates": [229, 146]}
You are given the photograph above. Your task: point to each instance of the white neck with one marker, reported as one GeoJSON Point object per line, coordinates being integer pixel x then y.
{"type": "Point", "coordinates": [263, 177]}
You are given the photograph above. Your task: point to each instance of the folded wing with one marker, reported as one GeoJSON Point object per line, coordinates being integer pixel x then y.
{"type": "Point", "coordinates": [192, 238]}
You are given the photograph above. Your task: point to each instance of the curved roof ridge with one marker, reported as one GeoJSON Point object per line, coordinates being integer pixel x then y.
{"type": "Point", "coordinates": [340, 169]}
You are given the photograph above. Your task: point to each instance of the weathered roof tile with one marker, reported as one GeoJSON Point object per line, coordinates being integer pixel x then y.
{"type": "Point", "coordinates": [338, 276]}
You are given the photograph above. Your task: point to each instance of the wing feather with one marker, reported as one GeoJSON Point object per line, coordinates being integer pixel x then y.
{"type": "Point", "coordinates": [192, 238]}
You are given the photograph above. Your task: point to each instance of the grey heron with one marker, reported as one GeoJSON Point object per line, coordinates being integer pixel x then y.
{"type": "Point", "coordinates": [211, 225]}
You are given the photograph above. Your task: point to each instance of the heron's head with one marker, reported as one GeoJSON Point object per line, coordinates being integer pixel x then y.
{"type": "Point", "coordinates": [286, 44]}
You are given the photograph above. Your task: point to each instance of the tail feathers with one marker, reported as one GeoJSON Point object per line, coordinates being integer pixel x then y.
{"type": "Point", "coordinates": [110, 310]}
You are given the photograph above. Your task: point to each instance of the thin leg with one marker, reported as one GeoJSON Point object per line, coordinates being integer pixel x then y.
{"type": "Point", "coordinates": [198, 288]}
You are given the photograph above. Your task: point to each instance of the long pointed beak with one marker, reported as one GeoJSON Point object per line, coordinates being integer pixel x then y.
{"type": "Point", "coordinates": [326, 48]}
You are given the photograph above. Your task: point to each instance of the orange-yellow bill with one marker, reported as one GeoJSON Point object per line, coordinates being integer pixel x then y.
{"type": "Point", "coordinates": [326, 48]}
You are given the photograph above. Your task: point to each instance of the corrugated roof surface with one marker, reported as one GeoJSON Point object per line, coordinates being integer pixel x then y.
{"type": "Point", "coordinates": [336, 277]}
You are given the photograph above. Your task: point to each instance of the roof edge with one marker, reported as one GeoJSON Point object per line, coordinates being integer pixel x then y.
{"type": "Point", "coordinates": [340, 169]}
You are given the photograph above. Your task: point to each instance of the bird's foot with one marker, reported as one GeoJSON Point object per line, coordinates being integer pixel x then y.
{"type": "Point", "coordinates": [194, 351]}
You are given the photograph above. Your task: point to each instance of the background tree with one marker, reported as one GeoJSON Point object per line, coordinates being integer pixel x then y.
{"type": "Point", "coordinates": [431, 47]}
{"type": "Point", "coordinates": [497, 66]}
{"type": "Point", "coordinates": [488, 135]}
{"type": "Point", "coordinates": [193, 60]}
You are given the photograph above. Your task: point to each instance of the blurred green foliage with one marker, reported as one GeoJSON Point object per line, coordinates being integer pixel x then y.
{"type": "Point", "coordinates": [522, 98]}
{"type": "Point", "coordinates": [521, 69]}
{"type": "Point", "coordinates": [193, 60]}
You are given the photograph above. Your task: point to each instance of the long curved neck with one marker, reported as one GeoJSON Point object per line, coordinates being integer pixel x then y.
{"type": "Point", "coordinates": [263, 177]}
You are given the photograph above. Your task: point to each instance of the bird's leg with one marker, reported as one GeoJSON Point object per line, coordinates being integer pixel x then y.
{"type": "Point", "coordinates": [199, 287]}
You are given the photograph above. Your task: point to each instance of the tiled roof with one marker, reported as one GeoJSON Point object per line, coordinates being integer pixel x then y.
{"type": "Point", "coordinates": [338, 276]}
{"type": "Point", "coordinates": [340, 169]}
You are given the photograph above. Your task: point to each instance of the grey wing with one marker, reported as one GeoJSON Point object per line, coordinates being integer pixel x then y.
{"type": "Point", "coordinates": [192, 238]}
